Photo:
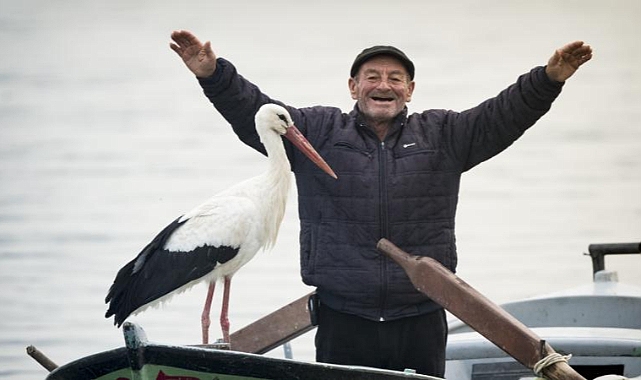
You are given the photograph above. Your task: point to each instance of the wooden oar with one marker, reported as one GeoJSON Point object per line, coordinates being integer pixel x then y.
{"type": "Point", "coordinates": [275, 329]}
{"type": "Point", "coordinates": [490, 320]}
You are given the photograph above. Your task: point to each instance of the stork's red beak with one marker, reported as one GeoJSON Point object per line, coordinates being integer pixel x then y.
{"type": "Point", "coordinates": [297, 138]}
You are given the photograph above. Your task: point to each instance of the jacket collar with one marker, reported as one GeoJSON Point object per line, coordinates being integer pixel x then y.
{"type": "Point", "coordinates": [358, 135]}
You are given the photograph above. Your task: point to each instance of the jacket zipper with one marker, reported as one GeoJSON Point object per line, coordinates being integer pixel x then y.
{"type": "Point", "coordinates": [384, 223]}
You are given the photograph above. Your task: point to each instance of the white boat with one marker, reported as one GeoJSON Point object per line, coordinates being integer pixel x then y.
{"type": "Point", "coordinates": [599, 324]}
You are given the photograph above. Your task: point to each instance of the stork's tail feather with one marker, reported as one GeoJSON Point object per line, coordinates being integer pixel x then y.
{"type": "Point", "coordinates": [117, 295]}
{"type": "Point", "coordinates": [126, 294]}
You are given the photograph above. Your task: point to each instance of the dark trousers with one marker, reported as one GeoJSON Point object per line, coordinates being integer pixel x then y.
{"type": "Point", "coordinates": [410, 343]}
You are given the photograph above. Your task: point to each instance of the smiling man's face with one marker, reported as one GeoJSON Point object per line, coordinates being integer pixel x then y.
{"type": "Point", "coordinates": [381, 88]}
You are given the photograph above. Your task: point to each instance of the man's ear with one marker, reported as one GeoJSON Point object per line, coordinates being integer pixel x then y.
{"type": "Point", "coordinates": [351, 83]}
{"type": "Point", "coordinates": [410, 91]}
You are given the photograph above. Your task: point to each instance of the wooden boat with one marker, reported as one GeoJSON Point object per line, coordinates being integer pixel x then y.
{"type": "Point", "coordinates": [599, 324]}
{"type": "Point", "coordinates": [141, 360]}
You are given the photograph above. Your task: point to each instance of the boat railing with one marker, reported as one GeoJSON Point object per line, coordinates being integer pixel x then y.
{"type": "Point", "coordinates": [599, 251]}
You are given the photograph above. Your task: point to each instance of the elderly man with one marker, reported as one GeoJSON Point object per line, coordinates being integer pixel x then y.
{"type": "Point", "coordinates": [398, 178]}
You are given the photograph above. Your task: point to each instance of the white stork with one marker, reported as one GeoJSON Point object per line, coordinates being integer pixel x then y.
{"type": "Point", "coordinates": [217, 238]}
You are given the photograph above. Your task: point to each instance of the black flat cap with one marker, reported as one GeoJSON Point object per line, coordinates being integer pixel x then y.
{"type": "Point", "coordinates": [382, 50]}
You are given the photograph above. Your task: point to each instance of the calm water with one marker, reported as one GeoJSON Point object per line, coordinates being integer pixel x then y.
{"type": "Point", "coordinates": [105, 137]}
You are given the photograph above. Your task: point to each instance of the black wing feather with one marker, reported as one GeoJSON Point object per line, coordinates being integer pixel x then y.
{"type": "Point", "coordinates": [156, 272]}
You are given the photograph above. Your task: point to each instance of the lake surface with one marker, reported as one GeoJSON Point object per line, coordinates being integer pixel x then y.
{"type": "Point", "coordinates": [105, 137]}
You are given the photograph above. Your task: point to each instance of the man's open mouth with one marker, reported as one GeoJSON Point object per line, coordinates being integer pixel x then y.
{"type": "Point", "coordinates": [382, 99]}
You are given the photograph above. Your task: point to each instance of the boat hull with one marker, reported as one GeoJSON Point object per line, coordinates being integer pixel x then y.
{"type": "Point", "coordinates": [143, 360]}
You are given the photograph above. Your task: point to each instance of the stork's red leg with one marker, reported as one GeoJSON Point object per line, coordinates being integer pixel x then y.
{"type": "Point", "coordinates": [224, 313]}
{"type": "Point", "coordinates": [205, 321]}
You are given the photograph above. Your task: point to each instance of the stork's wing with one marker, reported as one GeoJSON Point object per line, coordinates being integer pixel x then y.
{"type": "Point", "coordinates": [223, 220]}
{"type": "Point", "coordinates": [180, 255]}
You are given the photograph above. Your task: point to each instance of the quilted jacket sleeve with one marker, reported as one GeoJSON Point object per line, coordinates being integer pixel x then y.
{"type": "Point", "coordinates": [481, 132]}
{"type": "Point", "coordinates": [237, 100]}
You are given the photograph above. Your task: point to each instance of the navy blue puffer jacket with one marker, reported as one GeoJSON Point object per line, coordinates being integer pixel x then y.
{"type": "Point", "coordinates": [404, 188]}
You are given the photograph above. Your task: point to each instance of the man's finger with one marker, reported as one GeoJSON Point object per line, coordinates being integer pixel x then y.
{"type": "Point", "coordinates": [583, 50]}
{"type": "Point", "coordinates": [184, 39]}
{"type": "Point", "coordinates": [572, 46]}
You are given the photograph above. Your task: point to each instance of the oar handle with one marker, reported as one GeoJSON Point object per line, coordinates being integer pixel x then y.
{"type": "Point", "coordinates": [41, 358]}
{"type": "Point", "coordinates": [444, 287]}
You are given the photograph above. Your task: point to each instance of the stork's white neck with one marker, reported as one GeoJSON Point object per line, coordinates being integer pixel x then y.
{"type": "Point", "coordinates": [277, 183]}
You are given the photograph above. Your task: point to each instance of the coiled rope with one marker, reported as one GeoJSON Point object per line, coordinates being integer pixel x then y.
{"type": "Point", "coordinates": [549, 360]}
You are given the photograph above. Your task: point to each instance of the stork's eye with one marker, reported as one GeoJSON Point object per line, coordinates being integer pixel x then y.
{"type": "Point", "coordinates": [282, 117]}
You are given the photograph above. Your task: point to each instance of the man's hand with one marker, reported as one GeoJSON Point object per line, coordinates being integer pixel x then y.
{"type": "Point", "coordinates": [199, 58]}
{"type": "Point", "coordinates": [567, 60]}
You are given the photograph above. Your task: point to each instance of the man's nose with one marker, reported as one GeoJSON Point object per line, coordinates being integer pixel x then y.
{"type": "Point", "coordinates": [383, 84]}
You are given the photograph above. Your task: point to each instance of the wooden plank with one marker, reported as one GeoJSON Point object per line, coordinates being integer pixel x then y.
{"type": "Point", "coordinates": [275, 329]}
{"type": "Point", "coordinates": [489, 319]}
